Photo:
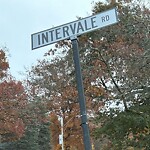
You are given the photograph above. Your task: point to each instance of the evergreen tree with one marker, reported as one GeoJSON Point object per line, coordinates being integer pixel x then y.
{"type": "Point", "coordinates": [28, 142]}
{"type": "Point", "coordinates": [44, 137]}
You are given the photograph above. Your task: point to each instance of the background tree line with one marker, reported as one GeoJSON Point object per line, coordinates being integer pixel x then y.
{"type": "Point", "coordinates": [115, 64]}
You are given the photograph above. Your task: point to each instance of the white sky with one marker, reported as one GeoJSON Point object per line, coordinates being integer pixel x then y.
{"type": "Point", "coordinates": [20, 18]}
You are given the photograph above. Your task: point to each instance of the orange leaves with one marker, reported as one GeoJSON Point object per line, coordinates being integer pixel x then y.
{"type": "Point", "coordinates": [14, 126]}
{"type": "Point", "coordinates": [68, 105]}
{"type": "Point", "coordinates": [3, 64]}
{"type": "Point", "coordinates": [69, 92]}
{"type": "Point", "coordinates": [100, 64]}
{"type": "Point", "coordinates": [95, 91]}
{"type": "Point", "coordinates": [55, 130]}
{"type": "Point", "coordinates": [12, 100]}
{"type": "Point", "coordinates": [72, 132]}
{"type": "Point", "coordinates": [2, 54]}
{"type": "Point", "coordinates": [63, 46]}
{"type": "Point", "coordinates": [12, 90]}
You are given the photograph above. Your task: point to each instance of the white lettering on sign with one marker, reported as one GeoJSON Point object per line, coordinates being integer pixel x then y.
{"type": "Point", "coordinates": [78, 27]}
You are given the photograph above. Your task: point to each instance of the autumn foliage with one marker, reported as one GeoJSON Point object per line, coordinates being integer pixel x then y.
{"type": "Point", "coordinates": [3, 64]}
{"type": "Point", "coordinates": [12, 101]}
{"type": "Point", "coordinates": [115, 68]}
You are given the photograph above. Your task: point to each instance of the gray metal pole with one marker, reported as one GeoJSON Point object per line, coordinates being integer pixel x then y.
{"type": "Point", "coordinates": [81, 97]}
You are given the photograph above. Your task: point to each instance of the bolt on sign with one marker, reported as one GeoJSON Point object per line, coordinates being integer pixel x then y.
{"type": "Point", "coordinates": [74, 28]}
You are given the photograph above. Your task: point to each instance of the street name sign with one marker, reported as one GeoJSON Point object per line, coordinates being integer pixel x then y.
{"type": "Point", "coordinates": [74, 28]}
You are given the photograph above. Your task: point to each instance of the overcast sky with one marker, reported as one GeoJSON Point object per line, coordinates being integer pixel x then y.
{"type": "Point", "coordinates": [20, 18]}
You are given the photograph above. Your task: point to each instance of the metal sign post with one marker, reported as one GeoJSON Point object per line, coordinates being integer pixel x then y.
{"type": "Point", "coordinates": [81, 97]}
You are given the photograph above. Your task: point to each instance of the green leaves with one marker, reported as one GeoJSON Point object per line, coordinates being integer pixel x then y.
{"type": "Point", "coordinates": [128, 127]}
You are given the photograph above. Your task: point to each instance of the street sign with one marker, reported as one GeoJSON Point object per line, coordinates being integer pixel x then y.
{"type": "Point", "coordinates": [71, 31]}
{"type": "Point", "coordinates": [75, 28]}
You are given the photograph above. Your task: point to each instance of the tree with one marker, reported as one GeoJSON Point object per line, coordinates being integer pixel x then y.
{"type": "Point", "coordinates": [12, 101]}
{"type": "Point", "coordinates": [22, 119]}
{"type": "Point", "coordinates": [127, 129]}
{"type": "Point", "coordinates": [125, 54]}
{"type": "Point", "coordinates": [44, 137]}
{"type": "Point", "coordinates": [3, 64]}
{"type": "Point", "coordinates": [55, 84]}
{"type": "Point", "coordinates": [28, 141]}
{"type": "Point", "coordinates": [35, 135]}
{"type": "Point", "coordinates": [35, 138]}
{"type": "Point", "coordinates": [113, 52]}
